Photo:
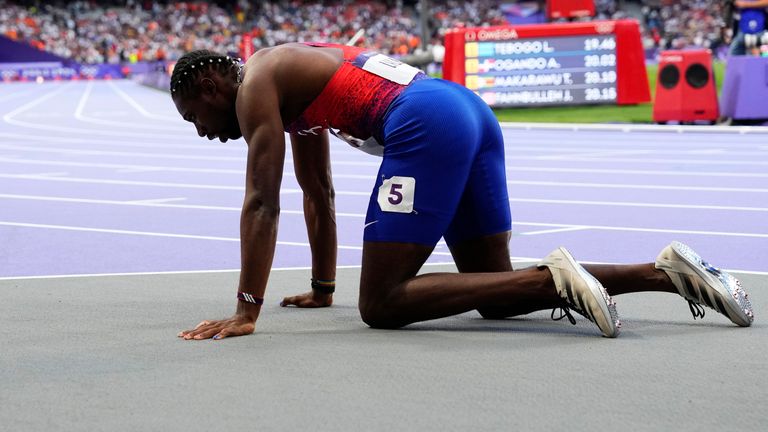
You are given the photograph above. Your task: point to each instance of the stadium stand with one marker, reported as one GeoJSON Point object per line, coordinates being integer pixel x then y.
{"type": "Point", "coordinates": [131, 31]}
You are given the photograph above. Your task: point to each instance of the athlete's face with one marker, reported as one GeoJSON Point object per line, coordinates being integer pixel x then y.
{"type": "Point", "coordinates": [212, 113]}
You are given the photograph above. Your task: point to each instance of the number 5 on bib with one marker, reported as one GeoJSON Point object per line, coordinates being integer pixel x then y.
{"type": "Point", "coordinates": [396, 194]}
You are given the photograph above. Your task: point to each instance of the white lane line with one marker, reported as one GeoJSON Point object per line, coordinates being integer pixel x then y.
{"type": "Point", "coordinates": [138, 170]}
{"type": "Point", "coordinates": [176, 156]}
{"type": "Point", "coordinates": [83, 98]}
{"type": "Point", "coordinates": [361, 215]}
{"type": "Point", "coordinates": [638, 128]}
{"type": "Point", "coordinates": [161, 234]}
{"type": "Point", "coordinates": [640, 204]}
{"type": "Point", "coordinates": [8, 118]}
{"type": "Point", "coordinates": [634, 186]}
{"type": "Point", "coordinates": [123, 124]}
{"type": "Point", "coordinates": [579, 158]}
{"type": "Point", "coordinates": [132, 102]}
{"type": "Point", "coordinates": [597, 154]}
{"type": "Point", "coordinates": [549, 147]}
{"type": "Point", "coordinates": [241, 158]}
{"type": "Point", "coordinates": [159, 205]}
{"type": "Point", "coordinates": [42, 177]}
{"type": "Point", "coordinates": [121, 182]}
{"type": "Point", "coordinates": [645, 230]}
{"type": "Point", "coordinates": [510, 168]}
{"type": "Point", "coordinates": [14, 95]}
{"type": "Point", "coordinates": [43, 116]}
{"type": "Point", "coordinates": [92, 275]}
{"type": "Point", "coordinates": [157, 200]}
{"type": "Point", "coordinates": [659, 142]}
{"type": "Point", "coordinates": [740, 174]}
{"type": "Point", "coordinates": [280, 269]}
{"type": "Point", "coordinates": [118, 203]}
{"type": "Point", "coordinates": [340, 214]}
{"type": "Point", "coordinates": [51, 176]}
{"type": "Point", "coordinates": [113, 113]}
{"type": "Point", "coordinates": [39, 177]}
{"type": "Point", "coordinates": [122, 166]}
{"type": "Point", "coordinates": [553, 230]}
{"type": "Point", "coordinates": [170, 184]}
{"type": "Point", "coordinates": [21, 161]}
{"type": "Point", "coordinates": [115, 141]}
{"type": "Point", "coordinates": [366, 194]}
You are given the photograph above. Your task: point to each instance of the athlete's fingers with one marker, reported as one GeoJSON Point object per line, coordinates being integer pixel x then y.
{"type": "Point", "coordinates": [235, 330]}
{"type": "Point", "coordinates": [202, 323]}
{"type": "Point", "coordinates": [209, 332]}
{"type": "Point", "coordinates": [201, 328]}
{"type": "Point", "coordinates": [290, 301]}
{"type": "Point", "coordinates": [224, 333]}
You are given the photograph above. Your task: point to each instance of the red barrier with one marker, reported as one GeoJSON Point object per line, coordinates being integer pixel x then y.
{"type": "Point", "coordinates": [685, 88]}
{"type": "Point", "coordinates": [570, 8]}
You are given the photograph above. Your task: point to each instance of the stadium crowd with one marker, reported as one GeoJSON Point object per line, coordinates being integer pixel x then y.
{"type": "Point", "coordinates": [120, 31]}
{"type": "Point", "coordinates": [670, 24]}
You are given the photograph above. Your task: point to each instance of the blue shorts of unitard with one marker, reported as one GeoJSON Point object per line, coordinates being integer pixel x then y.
{"type": "Point", "coordinates": [442, 173]}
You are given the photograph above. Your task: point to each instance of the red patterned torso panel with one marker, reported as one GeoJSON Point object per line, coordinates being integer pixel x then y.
{"type": "Point", "coordinates": [357, 95]}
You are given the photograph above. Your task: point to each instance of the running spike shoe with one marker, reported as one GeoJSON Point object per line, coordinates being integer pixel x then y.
{"type": "Point", "coordinates": [581, 292]}
{"type": "Point", "coordinates": [702, 284]}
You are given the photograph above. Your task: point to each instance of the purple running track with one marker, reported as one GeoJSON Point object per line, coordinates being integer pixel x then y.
{"type": "Point", "coordinates": [105, 177]}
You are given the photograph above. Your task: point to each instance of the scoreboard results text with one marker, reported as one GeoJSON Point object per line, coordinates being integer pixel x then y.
{"type": "Point", "coordinates": [558, 70]}
{"type": "Point", "coordinates": [556, 64]}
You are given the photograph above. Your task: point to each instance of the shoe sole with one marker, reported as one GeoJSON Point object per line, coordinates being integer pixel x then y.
{"type": "Point", "coordinates": [607, 306]}
{"type": "Point", "coordinates": [736, 306]}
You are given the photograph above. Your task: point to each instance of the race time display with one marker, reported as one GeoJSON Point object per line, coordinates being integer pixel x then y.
{"type": "Point", "coordinates": [598, 62]}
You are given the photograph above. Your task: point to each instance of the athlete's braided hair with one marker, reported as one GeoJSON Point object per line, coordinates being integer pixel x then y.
{"type": "Point", "coordinates": [192, 65]}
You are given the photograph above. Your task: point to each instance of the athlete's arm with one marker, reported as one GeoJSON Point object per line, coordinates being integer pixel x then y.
{"type": "Point", "coordinates": [258, 111]}
{"type": "Point", "coordinates": [311, 161]}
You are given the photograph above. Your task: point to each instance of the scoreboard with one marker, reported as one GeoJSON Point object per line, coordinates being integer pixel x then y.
{"type": "Point", "coordinates": [599, 62]}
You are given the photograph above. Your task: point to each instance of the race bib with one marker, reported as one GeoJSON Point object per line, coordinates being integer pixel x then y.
{"type": "Point", "coordinates": [388, 68]}
{"type": "Point", "coordinates": [396, 194]}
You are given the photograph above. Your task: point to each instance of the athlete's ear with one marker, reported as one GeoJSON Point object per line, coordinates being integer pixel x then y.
{"type": "Point", "coordinates": [207, 86]}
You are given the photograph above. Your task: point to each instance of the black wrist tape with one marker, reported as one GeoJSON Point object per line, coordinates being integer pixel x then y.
{"type": "Point", "coordinates": [323, 286]}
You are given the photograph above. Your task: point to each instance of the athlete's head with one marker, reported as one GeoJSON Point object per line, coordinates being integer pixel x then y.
{"type": "Point", "coordinates": [204, 88]}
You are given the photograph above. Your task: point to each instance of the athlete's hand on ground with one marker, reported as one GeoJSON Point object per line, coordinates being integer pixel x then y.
{"type": "Point", "coordinates": [312, 299]}
{"type": "Point", "coordinates": [238, 325]}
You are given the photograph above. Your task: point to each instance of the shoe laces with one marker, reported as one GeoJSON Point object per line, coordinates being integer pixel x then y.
{"type": "Point", "coordinates": [565, 312]}
{"type": "Point", "coordinates": [697, 310]}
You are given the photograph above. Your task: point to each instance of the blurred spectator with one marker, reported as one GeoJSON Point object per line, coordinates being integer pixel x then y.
{"type": "Point", "coordinates": [672, 24]}
{"type": "Point", "coordinates": [123, 31]}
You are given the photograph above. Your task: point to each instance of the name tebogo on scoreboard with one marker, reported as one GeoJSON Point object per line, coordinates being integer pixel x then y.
{"type": "Point", "coordinates": [555, 64]}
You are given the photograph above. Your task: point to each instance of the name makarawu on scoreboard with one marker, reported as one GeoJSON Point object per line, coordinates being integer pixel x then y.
{"type": "Point", "coordinates": [527, 97]}
{"type": "Point", "coordinates": [524, 80]}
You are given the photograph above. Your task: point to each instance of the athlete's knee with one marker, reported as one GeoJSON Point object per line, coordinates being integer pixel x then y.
{"type": "Point", "coordinates": [378, 314]}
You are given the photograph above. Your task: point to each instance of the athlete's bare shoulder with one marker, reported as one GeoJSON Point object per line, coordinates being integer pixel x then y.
{"type": "Point", "coordinates": [298, 72]}
{"type": "Point", "coordinates": [295, 59]}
